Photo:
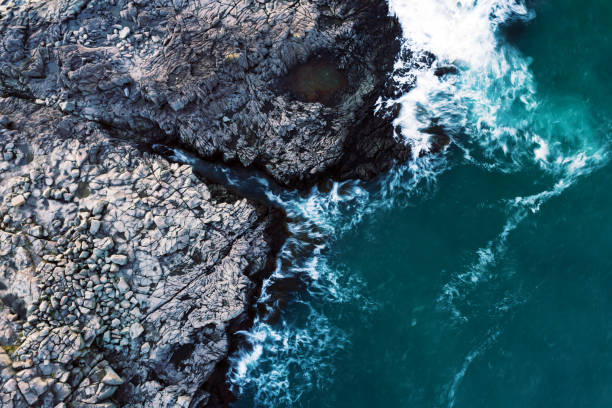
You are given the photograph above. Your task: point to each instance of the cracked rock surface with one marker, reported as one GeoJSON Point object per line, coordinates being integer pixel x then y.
{"type": "Point", "coordinates": [119, 272]}
{"type": "Point", "coordinates": [285, 86]}
{"type": "Point", "coordinates": [122, 276]}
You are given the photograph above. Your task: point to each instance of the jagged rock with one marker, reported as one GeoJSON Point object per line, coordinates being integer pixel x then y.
{"type": "Point", "coordinates": [5, 360]}
{"type": "Point", "coordinates": [111, 377]}
{"type": "Point", "coordinates": [61, 391]}
{"type": "Point", "coordinates": [94, 227]}
{"type": "Point", "coordinates": [136, 330]}
{"type": "Point", "coordinates": [33, 388]}
{"type": "Point", "coordinates": [145, 348]}
{"type": "Point", "coordinates": [251, 86]}
{"type": "Point", "coordinates": [122, 285]}
{"type": "Point", "coordinates": [227, 80]}
{"type": "Point", "coordinates": [119, 259]}
{"type": "Point", "coordinates": [98, 208]}
{"type": "Point", "coordinates": [40, 385]}
{"type": "Point", "coordinates": [83, 310]}
{"type": "Point", "coordinates": [37, 231]}
{"type": "Point", "coordinates": [183, 401]}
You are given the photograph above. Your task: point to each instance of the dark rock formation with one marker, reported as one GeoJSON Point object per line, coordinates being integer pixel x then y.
{"type": "Point", "coordinates": [133, 271]}
{"type": "Point", "coordinates": [122, 276]}
{"type": "Point", "coordinates": [213, 75]}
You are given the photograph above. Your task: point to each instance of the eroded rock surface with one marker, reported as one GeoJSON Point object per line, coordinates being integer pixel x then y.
{"type": "Point", "coordinates": [119, 272]}
{"type": "Point", "coordinates": [212, 75]}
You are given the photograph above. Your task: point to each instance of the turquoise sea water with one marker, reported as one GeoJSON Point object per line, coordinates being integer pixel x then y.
{"type": "Point", "coordinates": [481, 277]}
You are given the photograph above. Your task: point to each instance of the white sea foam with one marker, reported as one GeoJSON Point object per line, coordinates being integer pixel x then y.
{"type": "Point", "coordinates": [491, 111]}
{"type": "Point", "coordinates": [181, 156]}
{"type": "Point", "coordinates": [461, 34]}
{"type": "Point", "coordinates": [472, 355]}
{"type": "Point", "coordinates": [463, 283]}
{"type": "Point", "coordinates": [287, 360]}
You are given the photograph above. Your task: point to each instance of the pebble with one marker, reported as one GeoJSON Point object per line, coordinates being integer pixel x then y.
{"type": "Point", "coordinates": [119, 259]}
{"type": "Point", "coordinates": [98, 208]}
{"type": "Point", "coordinates": [111, 377]}
{"type": "Point", "coordinates": [18, 201]}
{"type": "Point", "coordinates": [122, 285]}
{"type": "Point", "coordinates": [124, 32]}
{"type": "Point", "coordinates": [94, 227]}
{"type": "Point", "coordinates": [136, 330]}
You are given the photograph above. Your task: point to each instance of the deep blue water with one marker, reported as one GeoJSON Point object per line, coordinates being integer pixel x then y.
{"type": "Point", "coordinates": [478, 277]}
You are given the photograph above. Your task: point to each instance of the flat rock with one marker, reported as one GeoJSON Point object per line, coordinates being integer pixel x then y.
{"type": "Point", "coordinates": [18, 201]}
{"type": "Point", "coordinates": [290, 88]}
{"type": "Point", "coordinates": [119, 259]}
{"type": "Point", "coordinates": [136, 330]}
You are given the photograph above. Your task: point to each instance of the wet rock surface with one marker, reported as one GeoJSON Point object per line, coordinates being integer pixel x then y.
{"type": "Point", "coordinates": [120, 271]}
{"type": "Point", "coordinates": [210, 74]}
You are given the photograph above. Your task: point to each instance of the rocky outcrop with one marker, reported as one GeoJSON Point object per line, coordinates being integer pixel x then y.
{"type": "Point", "coordinates": [120, 271]}
{"type": "Point", "coordinates": [122, 276]}
{"type": "Point", "coordinates": [277, 85]}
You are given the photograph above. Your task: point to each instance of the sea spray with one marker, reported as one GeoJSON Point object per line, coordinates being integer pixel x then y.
{"type": "Point", "coordinates": [323, 216]}
{"type": "Point", "coordinates": [283, 360]}
{"type": "Point", "coordinates": [462, 82]}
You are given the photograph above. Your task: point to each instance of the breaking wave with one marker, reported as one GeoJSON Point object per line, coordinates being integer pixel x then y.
{"type": "Point", "coordinates": [460, 94]}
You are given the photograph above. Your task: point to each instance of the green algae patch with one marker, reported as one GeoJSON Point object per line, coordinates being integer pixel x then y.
{"type": "Point", "coordinates": [83, 190]}
{"type": "Point", "coordinates": [9, 349]}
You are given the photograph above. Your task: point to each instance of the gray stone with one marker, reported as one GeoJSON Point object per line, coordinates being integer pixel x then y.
{"type": "Point", "coordinates": [37, 231]}
{"type": "Point", "coordinates": [39, 385]}
{"type": "Point", "coordinates": [111, 377]}
{"type": "Point", "coordinates": [98, 208]}
{"type": "Point", "coordinates": [94, 227]}
{"type": "Point", "coordinates": [61, 391]}
{"type": "Point", "coordinates": [183, 401]}
{"type": "Point", "coordinates": [136, 330]}
{"type": "Point", "coordinates": [67, 106]}
{"type": "Point", "coordinates": [5, 360]}
{"type": "Point", "coordinates": [122, 285]}
{"type": "Point", "coordinates": [145, 348]}
{"type": "Point", "coordinates": [105, 391]}
{"type": "Point", "coordinates": [119, 259]}
{"type": "Point", "coordinates": [124, 32]}
{"type": "Point", "coordinates": [18, 201]}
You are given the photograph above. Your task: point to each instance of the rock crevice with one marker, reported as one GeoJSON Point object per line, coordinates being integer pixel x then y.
{"type": "Point", "coordinates": [123, 261]}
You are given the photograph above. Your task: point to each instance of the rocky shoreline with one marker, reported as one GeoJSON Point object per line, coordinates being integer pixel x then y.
{"type": "Point", "coordinates": [123, 276]}
{"type": "Point", "coordinates": [118, 262]}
